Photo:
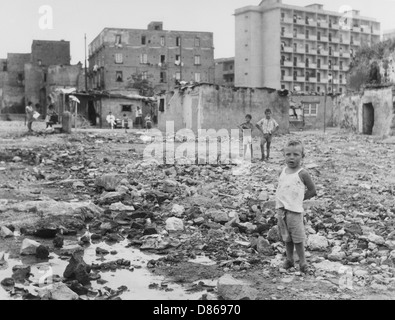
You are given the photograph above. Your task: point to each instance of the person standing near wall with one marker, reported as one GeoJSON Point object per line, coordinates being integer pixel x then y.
{"type": "Point", "coordinates": [139, 117]}
{"type": "Point", "coordinates": [29, 116]}
{"type": "Point", "coordinates": [267, 126]}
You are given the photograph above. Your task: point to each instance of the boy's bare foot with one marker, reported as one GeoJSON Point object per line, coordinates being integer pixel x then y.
{"type": "Point", "coordinates": [305, 268]}
{"type": "Point", "coordinates": [288, 265]}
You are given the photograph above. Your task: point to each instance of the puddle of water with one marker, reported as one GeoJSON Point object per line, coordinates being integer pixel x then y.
{"type": "Point", "coordinates": [136, 281]}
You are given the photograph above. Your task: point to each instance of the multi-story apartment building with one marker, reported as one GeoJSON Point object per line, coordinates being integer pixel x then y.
{"type": "Point", "coordinates": [225, 72]}
{"type": "Point", "coordinates": [155, 54]}
{"type": "Point", "coordinates": [298, 48]}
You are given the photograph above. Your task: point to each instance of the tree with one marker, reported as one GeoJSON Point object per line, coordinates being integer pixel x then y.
{"type": "Point", "coordinates": [140, 82]}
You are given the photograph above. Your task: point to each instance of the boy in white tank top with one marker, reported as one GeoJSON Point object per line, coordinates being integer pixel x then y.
{"type": "Point", "coordinates": [295, 185]}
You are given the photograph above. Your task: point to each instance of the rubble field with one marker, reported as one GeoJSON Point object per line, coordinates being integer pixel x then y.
{"type": "Point", "coordinates": [84, 216]}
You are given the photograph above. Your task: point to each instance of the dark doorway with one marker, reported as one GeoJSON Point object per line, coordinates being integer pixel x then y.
{"type": "Point", "coordinates": [368, 118]}
{"type": "Point", "coordinates": [43, 102]}
{"type": "Point", "coordinates": [92, 112]}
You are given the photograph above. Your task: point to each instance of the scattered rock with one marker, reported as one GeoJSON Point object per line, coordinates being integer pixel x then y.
{"type": "Point", "coordinates": [230, 288]}
{"type": "Point", "coordinates": [78, 269]}
{"type": "Point", "coordinates": [174, 224]}
{"type": "Point", "coordinates": [6, 233]}
{"type": "Point", "coordinates": [109, 182]}
{"type": "Point", "coordinates": [42, 252]}
{"type": "Point", "coordinates": [119, 206]}
{"type": "Point", "coordinates": [21, 273]}
{"type": "Point", "coordinates": [29, 247]}
{"type": "Point", "coordinates": [274, 235]}
{"type": "Point", "coordinates": [58, 242]}
{"type": "Point", "coordinates": [317, 243]}
{"type": "Point", "coordinates": [8, 282]}
{"type": "Point", "coordinates": [48, 232]}
{"type": "Point", "coordinates": [264, 247]}
{"type": "Point", "coordinates": [178, 210]}
{"type": "Point", "coordinates": [58, 291]}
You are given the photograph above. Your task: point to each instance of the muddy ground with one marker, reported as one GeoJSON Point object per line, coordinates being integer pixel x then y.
{"type": "Point", "coordinates": [353, 213]}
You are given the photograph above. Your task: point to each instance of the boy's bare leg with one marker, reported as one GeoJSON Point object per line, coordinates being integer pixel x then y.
{"type": "Point", "coordinates": [301, 253]}
{"type": "Point", "coordinates": [268, 150]}
{"type": "Point", "coordinates": [252, 152]}
{"type": "Point", "coordinates": [263, 149]}
{"type": "Point", "coordinates": [290, 251]}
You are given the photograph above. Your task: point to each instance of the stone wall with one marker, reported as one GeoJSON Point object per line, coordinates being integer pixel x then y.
{"type": "Point", "coordinates": [353, 115]}
{"type": "Point", "coordinates": [50, 52]}
{"type": "Point", "coordinates": [213, 107]}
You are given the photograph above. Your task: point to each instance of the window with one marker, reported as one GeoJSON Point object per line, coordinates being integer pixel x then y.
{"type": "Point", "coordinates": [127, 108]}
{"type": "Point", "coordinates": [307, 34]}
{"type": "Point", "coordinates": [341, 90]}
{"type": "Point", "coordinates": [318, 63]}
{"type": "Point", "coordinates": [307, 88]}
{"type": "Point", "coordinates": [163, 78]}
{"type": "Point", "coordinates": [282, 86]}
{"type": "Point", "coordinates": [119, 76]}
{"type": "Point", "coordinates": [162, 41]}
{"type": "Point", "coordinates": [21, 77]}
{"type": "Point", "coordinates": [330, 64]}
{"type": "Point", "coordinates": [118, 58]}
{"type": "Point", "coordinates": [118, 39]}
{"type": "Point", "coordinates": [307, 48]}
{"type": "Point", "coordinates": [143, 40]}
{"type": "Point", "coordinates": [45, 77]}
{"type": "Point", "coordinates": [178, 41]}
{"type": "Point", "coordinates": [197, 77]}
{"type": "Point", "coordinates": [295, 61]}
{"type": "Point", "coordinates": [282, 16]}
{"type": "Point", "coordinates": [162, 58]}
{"type": "Point", "coordinates": [307, 62]}
{"type": "Point", "coordinates": [282, 31]}
{"type": "Point", "coordinates": [143, 58]}
{"type": "Point", "coordinates": [330, 37]}
{"type": "Point", "coordinates": [178, 75]}
{"type": "Point", "coordinates": [197, 42]}
{"type": "Point", "coordinates": [282, 75]}
{"type": "Point", "coordinates": [318, 77]}
{"type": "Point", "coordinates": [144, 75]}
{"type": "Point", "coordinates": [162, 105]}
{"type": "Point", "coordinates": [310, 109]}
{"type": "Point", "coordinates": [295, 32]}
{"type": "Point", "coordinates": [318, 89]}
{"type": "Point", "coordinates": [178, 59]}
{"type": "Point", "coordinates": [318, 35]}
{"type": "Point", "coordinates": [40, 62]}
{"type": "Point", "coordinates": [197, 60]}
{"type": "Point", "coordinates": [341, 65]}
{"type": "Point", "coordinates": [5, 68]}
{"type": "Point", "coordinates": [295, 75]}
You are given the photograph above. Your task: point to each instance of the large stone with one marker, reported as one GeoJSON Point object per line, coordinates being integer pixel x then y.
{"type": "Point", "coordinates": [29, 247]}
{"type": "Point", "coordinates": [177, 210]}
{"type": "Point", "coordinates": [6, 233]}
{"type": "Point", "coordinates": [78, 269]}
{"type": "Point", "coordinates": [230, 288]}
{"type": "Point", "coordinates": [337, 254]}
{"type": "Point", "coordinates": [112, 197]}
{"type": "Point", "coordinates": [119, 206]}
{"type": "Point", "coordinates": [46, 232]}
{"type": "Point", "coordinates": [58, 291]}
{"type": "Point", "coordinates": [274, 235]}
{"type": "Point", "coordinates": [21, 273]}
{"type": "Point", "coordinates": [219, 216]}
{"type": "Point", "coordinates": [174, 224]}
{"type": "Point", "coordinates": [42, 252]}
{"type": "Point", "coordinates": [317, 243]}
{"type": "Point", "coordinates": [264, 247]}
{"type": "Point", "coordinates": [109, 182]}
{"type": "Point", "coordinates": [376, 239]}
{"type": "Point", "coordinates": [8, 282]}
{"type": "Point", "coordinates": [69, 250]}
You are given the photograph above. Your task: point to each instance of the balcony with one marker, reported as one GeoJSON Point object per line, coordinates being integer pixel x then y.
{"type": "Point", "coordinates": [335, 81]}
{"type": "Point", "coordinates": [322, 24]}
{"type": "Point", "coordinates": [356, 43]}
{"type": "Point", "coordinates": [311, 38]}
{"type": "Point", "coordinates": [376, 32]}
{"type": "Point", "coordinates": [301, 79]}
{"type": "Point", "coordinates": [313, 80]}
{"type": "Point", "coordinates": [286, 20]}
{"type": "Point", "coordinates": [311, 23]}
{"type": "Point", "coordinates": [323, 52]}
{"type": "Point", "coordinates": [312, 52]}
{"type": "Point", "coordinates": [287, 35]}
{"type": "Point", "coordinates": [300, 21]}
{"type": "Point", "coordinates": [324, 39]}
{"type": "Point", "coordinates": [311, 66]}
{"type": "Point", "coordinates": [336, 68]}
{"type": "Point", "coordinates": [299, 50]}
{"type": "Point", "coordinates": [345, 55]}
{"type": "Point", "coordinates": [323, 81]}
{"type": "Point", "coordinates": [301, 65]}
{"type": "Point", "coordinates": [288, 64]}
{"type": "Point", "coordinates": [336, 53]}
{"type": "Point", "coordinates": [287, 78]}
{"type": "Point", "coordinates": [356, 29]}
{"type": "Point", "coordinates": [288, 49]}
{"type": "Point", "coordinates": [335, 26]}
{"type": "Point", "coordinates": [300, 36]}
{"type": "Point", "coordinates": [324, 66]}
{"type": "Point", "coordinates": [335, 40]}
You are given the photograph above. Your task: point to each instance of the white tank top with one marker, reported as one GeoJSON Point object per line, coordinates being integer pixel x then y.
{"type": "Point", "coordinates": [290, 192]}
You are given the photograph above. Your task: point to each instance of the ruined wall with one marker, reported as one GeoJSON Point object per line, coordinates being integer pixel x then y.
{"type": "Point", "coordinates": [211, 107]}
{"type": "Point", "coordinates": [50, 52]}
{"type": "Point", "coordinates": [352, 111]}
{"type": "Point", "coordinates": [34, 81]}
{"type": "Point", "coordinates": [316, 121]}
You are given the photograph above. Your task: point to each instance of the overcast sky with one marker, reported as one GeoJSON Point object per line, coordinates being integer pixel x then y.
{"type": "Point", "coordinates": [20, 19]}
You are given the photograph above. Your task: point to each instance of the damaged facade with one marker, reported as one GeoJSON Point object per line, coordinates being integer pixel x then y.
{"type": "Point", "coordinates": [36, 76]}
{"type": "Point", "coordinates": [207, 106]}
{"type": "Point", "coordinates": [157, 55]}
{"type": "Point", "coordinates": [371, 112]}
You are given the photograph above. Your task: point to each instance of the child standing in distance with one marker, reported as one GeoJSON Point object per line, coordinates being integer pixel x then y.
{"type": "Point", "coordinates": [295, 185]}
{"type": "Point", "coordinates": [247, 128]}
{"type": "Point", "coordinates": [267, 126]}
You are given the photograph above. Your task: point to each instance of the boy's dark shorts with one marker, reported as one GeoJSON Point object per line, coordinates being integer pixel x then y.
{"type": "Point", "coordinates": [266, 138]}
